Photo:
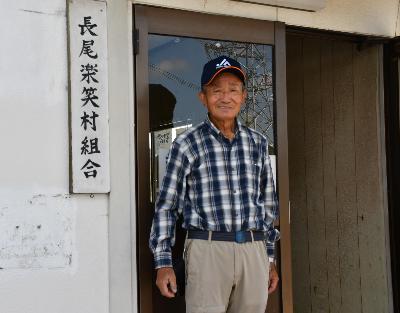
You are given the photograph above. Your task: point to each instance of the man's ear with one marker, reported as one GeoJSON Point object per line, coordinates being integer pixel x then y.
{"type": "Point", "coordinates": [202, 97]}
{"type": "Point", "coordinates": [244, 96]}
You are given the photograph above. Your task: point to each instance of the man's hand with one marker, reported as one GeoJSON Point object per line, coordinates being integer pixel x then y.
{"type": "Point", "coordinates": [273, 278]}
{"type": "Point", "coordinates": [166, 281]}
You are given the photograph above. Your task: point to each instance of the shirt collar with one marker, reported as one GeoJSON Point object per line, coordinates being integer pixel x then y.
{"type": "Point", "coordinates": [214, 128]}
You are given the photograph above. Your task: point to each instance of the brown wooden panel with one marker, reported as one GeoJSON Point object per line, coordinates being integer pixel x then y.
{"type": "Point", "coordinates": [314, 174]}
{"type": "Point", "coordinates": [200, 25]}
{"type": "Point", "coordinates": [299, 220]}
{"type": "Point", "coordinates": [338, 237]}
{"type": "Point", "coordinates": [345, 177]}
{"type": "Point", "coordinates": [329, 181]}
{"type": "Point", "coordinates": [369, 191]}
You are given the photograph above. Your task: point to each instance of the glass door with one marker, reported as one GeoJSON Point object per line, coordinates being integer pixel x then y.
{"type": "Point", "coordinates": [168, 70]}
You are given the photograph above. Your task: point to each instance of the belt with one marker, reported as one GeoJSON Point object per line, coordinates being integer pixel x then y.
{"type": "Point", "coordinates": [237, 236]}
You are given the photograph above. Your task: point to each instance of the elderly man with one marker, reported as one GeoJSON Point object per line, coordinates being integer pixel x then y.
{"type": "Point", "coordinates": [219, 177]}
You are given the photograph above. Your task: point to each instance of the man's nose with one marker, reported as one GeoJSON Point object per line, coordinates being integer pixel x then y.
{"type": "Point", "coordinates": [226, 96]}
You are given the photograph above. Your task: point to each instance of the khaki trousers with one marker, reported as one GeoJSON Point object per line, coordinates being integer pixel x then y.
{"type": "Point", "coordinates": [226, 277]}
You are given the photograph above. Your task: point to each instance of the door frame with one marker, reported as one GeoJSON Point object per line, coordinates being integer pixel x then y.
{"type": "Point", "coordinates": [391, 91]}
{"type": "Point", "coordinates": [192, 24]}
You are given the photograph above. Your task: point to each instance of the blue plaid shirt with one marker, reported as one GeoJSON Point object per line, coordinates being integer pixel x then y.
{"type": "Point", "coordinates": [217, 185]}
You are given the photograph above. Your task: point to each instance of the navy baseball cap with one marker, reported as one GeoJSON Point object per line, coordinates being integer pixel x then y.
{"type": "Point", "coordinates": [218, 65]}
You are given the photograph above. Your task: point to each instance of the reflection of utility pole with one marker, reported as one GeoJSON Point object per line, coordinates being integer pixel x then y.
{"type": "Point", "coordinates": [258, 112]}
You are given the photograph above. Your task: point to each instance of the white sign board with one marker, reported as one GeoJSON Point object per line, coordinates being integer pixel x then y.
{"type": "Point", "coordinates": [89, 97]}
{"type": "Point", "coordinates": [163, 142]}
{"type": "Point", "coordinates": [309, 5]}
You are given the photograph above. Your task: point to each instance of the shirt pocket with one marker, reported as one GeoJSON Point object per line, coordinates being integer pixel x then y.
{"type": "Point", "coordinates": [249, 180]}
{"type": "Point", "coordinates": [252, 169]}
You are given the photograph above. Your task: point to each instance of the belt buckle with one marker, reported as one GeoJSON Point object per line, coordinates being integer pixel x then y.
{"type": "Point", "coordinates": [240, 236]}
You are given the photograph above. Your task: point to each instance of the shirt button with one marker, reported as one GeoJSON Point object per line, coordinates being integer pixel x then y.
{"type": "Point", "coordinates": [234, 191]}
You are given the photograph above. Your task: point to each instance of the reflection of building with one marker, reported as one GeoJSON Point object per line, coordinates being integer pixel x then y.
{"type": "Point", "coordinates": [258, 113]}
{"type": "Point", "coordinates": [162, 104]}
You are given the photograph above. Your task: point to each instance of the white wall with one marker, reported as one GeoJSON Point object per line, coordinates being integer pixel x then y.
{"type": "Point", "coordinates": [53, 246]}
{"type": "Point", "coordinates": [355, 16]}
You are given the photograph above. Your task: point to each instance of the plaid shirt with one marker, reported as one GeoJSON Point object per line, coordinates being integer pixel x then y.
{"type": "Point", "coordinates": [217, 185]}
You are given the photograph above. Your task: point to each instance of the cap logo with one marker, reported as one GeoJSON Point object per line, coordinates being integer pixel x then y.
{"type": "Point", "coordinates": [224, 63]}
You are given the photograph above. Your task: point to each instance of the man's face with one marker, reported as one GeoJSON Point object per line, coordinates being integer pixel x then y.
{"type": "Point", "coordinates": [223, 97]}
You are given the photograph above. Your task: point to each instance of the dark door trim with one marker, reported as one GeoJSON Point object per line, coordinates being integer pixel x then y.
{"type": "Point", "coordinates": [392, 131]}
{"type": "Point", "coordinates": [143, 217]}
{"type": "Point", "coordinates": [283, 167]}
{"type": "Point", "coordinates": [158, 21]}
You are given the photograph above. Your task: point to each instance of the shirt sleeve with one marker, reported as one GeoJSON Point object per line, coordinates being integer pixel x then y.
{"type": "Point", "coordinates": [170, 199]}
{"type": "Point", "coordinates": [271, 206]}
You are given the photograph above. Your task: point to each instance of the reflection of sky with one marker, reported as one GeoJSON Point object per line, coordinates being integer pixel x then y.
{"type": "Point", "coordinates": [177, 63]}
{"type": "Point", "coordinates": [184, 58]}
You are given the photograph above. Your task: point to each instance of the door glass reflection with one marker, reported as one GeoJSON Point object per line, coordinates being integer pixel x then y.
{"type": "Point", "coordinates": [175, 66]}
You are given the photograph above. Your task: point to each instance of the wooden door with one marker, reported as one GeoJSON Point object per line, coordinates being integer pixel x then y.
{"type": "Point", "coordinates": [336, 188]}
